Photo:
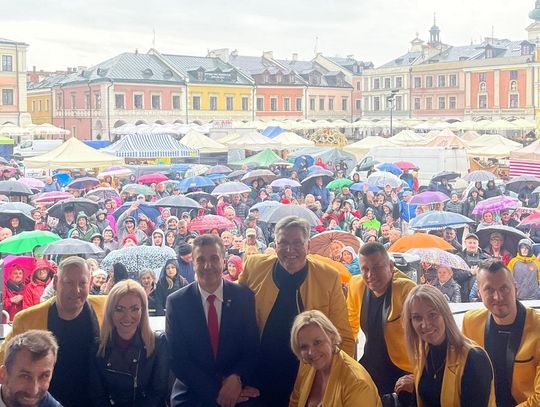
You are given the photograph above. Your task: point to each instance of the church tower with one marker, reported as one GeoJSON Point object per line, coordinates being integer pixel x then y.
{"type": "Point", "coordinates": [434, 34]}
{"type": "Point", "coordinates": [534, 28]}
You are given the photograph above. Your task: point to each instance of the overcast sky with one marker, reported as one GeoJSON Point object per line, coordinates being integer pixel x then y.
{"type": "Point", "coordinates": [64, 33]}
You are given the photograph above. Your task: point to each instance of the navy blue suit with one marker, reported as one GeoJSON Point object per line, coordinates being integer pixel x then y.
{"type": "Point", "coordinates": [198, 374]}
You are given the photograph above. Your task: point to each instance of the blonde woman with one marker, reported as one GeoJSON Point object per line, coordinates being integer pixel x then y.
{"type": "Point", "coordinates": [131, 364]}
{"type": "Point", "coordinates": [327, 375]}
{"type": "Point", "coordinates": [449, 369]}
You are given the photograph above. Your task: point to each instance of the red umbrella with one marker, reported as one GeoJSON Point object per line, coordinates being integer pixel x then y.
{"type": "Point", "coordinates": [531, 221]}
{"type": "Point", "coordinates": [209, 222]}
{"type": "Point", "coordinates": [152, 178]}
{"type": "Point", "coordinates": [51, 197]}
{"type": "Point", "coordinates": [406, 165]}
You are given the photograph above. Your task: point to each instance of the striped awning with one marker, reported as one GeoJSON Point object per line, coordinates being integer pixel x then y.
{"type": "Point", "coordinates": [522, 167]}
{"type": "Point", "coordinates": [151, 146]}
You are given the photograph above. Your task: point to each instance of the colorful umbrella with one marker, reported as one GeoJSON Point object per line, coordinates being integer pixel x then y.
{"type": "Point", "coordinates": [103, 193]}
{"type": "Point", "coordinates": [284, 183]}
{"type": "Point", "coordinates": [83, 183]}
{"type": "Point", "coordinates": [219, 169]}
{"type": "Point", "coordinates": [150, 211]}
{"type": "Point", "coordinates": [76, 204]}
{"type": "Point", "coordinates": [429, 198]}
{"type": "Point", "coordinates": [138, 189]}
{"type": "Point", "coordinates": [359, 187]}
{"type": "Point", "coordinates": [419, 241]}
{"type": "Point", "coordinates": [511, 235]}
{"type": "Point", "coordinates": [32, 182]}
{"type": "Point", "coordinates": [14, 188]}
{"type": "Point", "coordinates": [323, 243]}
{"type": "Point", "coordinates": [495, 204]}
{"type": "Point", "coordinates": [231, 188]}
{"type": "Point", "coordinates": [382, 178]}
{"type": "Point", "coordinates": [479, 176]}
{"type": "Point", "coordinates": [406, 165]}
{"type": "Point", "coordinates": [274, 215]}
{"type": "Point", "coordinates": [115, 171]}
{"type": "Point", "coordinates": [389, 167]}
{"type": "Point", "coordinates": [216, 177]}
{"type": "Point", "coordinates": [438, 220]}
{"type": "Point", "coordinates": [440, 257]}
{"type": "Point", "coordinates": [139, 258]}
{"type": "Point", "coordinates": [26, 242]}
{"type": "Point", "coordinates": [530, 222]}
{"type": "Point", "coordinates": [11, 171]}
{"type": "Point", "coordinates": [26, 263]}
{"type": "Point", "coordinates": [179, 201]}
{"type": "Point", "coordinates": [195, 182]}
{"type": "Point", "coordinates": [155, 178]}
{"type": "Point", "coordinates": [517, 183]}
{"type": "Point", "coordinates": [51, 197]}
{"type": "Point", "coordinates": [339, 183]}
{"type": "Point", "coordinates": [62, 178]}
{"type": "Point", "coordinates": [70, 246]}
{"type": "Point", "coordinates": [209, 222]}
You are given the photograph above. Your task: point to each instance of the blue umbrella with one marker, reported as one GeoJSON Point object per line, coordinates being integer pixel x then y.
{"type": "Point", "coordinates": [62, 178]}
{"type": "Point", "coordinates": [439, 220]}
{"type": "Point", "coordinates": [264, 206]}
{"type": "Point", "coordinates": [214, 177]}
{"type": "Point", "coordinates": [389, 167]}
{"type": "Point", "coordinates": [195, 182]}
{"type": "Point", "coordinates": [359, 187]}
{"type": "Point", "coordinates": [150, 211]}
{"type": "Point", "coordinates": [306, 160]}
{"type": "Point", "coordinates": [83, 183]}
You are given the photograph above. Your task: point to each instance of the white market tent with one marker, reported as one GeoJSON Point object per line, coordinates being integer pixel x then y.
{"type": "Point", "coordinates": [408, 138]}
{"type": "Point", "coordinates": [12, 130]}
{"type": "Point", "coordinates": [47, 129]}
{"type": "Point", "coordinates": [362, 147]}
{"type": "Point", "coordinates": [253, 141]}
{"type": "Point", "coordinates": [501, 125]}
{"type": "Point", "coordinates": [291, 141]}
{"type": "Point", "coordinates": [205, 144]}
{"type": "Point", "coordinates": [73, 154]}
{"type": "Point", "coordinates": [492, 146]}
{"type": "Point", "coordinates": [141, 146]}
{"type": "Point", "coordinates": [470, 135]}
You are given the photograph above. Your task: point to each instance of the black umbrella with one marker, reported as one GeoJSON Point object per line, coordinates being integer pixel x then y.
{"type": "Point", "coordinates": [71, 246]}
{"type": "Point", "coordinates": [308, 182]}
{"type": "Point", "coordinates": [511, 235]}
{"type": "Point", "coordinates": [11, 188]}
{"type": "Point", "coordinates": [449, 175]}
{"type": "Point", "coordinates": [25, 221]}
{"type": "Point", "coordinates": [197, 196]}
{"type": "Point", "coordinates": [76, 204]}
{"type": "Point", "coordinates": [237, 174]}
{"type": "Point", "coordinates": [516, 183]}
{"type": "Point", "coordinates": [177, 201]}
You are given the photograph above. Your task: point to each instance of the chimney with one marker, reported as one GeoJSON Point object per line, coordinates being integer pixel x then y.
{"type": "Point", "coordinates": [351, 56]}
{"type": "Point", "coordinates": [136, 51]}
{"type": "Point", "coordinates": [34, 68]}
{"type": "Point", "coordinates": [221, 53]}
{"type": "Point", "coordinates": [268, 54]}
{"type": "Point", "coordinates": [294, 57]}
{"type": "Point", "coordinates": [234, 54]}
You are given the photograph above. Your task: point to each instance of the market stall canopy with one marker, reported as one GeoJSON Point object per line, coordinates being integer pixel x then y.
{"type": "Point", "coordinates": [408, 138]}
{"type": "Point", "coordinates": [263, 159]}
{"type": "Point", "coordinates": [205, 144]}
{"type": "Point", "coordinates": [73, 154]}
{"type": "Point", "coordinates": [362, 147]}
{"type": "Point", "coordinates": [253, 141]}
{"type": "Point", "coordinates": [150, 146]}
{"type": "Point", "coordinates": [447, 138]}
{"type": "Point", "coordinates": [470, 135]}
{"type": "Point", "coordinates": [492, 146]}
{"type": "Point", "coordinates": [529, 153]}
{"type": "Point", "coordinates": [47, 129]}
{"type": "Point", "coordinates": [290, 140]}
{"type": "Point", "coordinates": [12, 130]}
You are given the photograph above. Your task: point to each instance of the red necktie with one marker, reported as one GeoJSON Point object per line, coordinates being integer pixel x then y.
{"type": "Point", "coordinates": [213, 327]}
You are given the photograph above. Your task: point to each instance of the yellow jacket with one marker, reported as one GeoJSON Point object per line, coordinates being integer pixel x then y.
{"type": "Point", "coordinates": [451, 385]}
{"type": "Point", "coordinates": [526, 373]}
{"type": "Point", "coordinates": [394, 333]}
{"type": "Point", "coordinates": [349, 385]}
{"type": "Point", "coordinates": [321, 290]}
{"type": "Point", "coordinates": [36, 318]}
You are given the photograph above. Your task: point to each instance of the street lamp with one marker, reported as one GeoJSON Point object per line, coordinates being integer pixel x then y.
{"type": "Point", "coordinates": [390, 99]}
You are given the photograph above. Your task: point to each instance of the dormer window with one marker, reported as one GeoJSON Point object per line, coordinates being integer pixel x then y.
{"type": "Point", "coordinates": [266, 78]}
{"type": "Point", "coordinates": [489, 52]}
{"type": "Point", "coordinates": [526, 48]}
{"type": "Point", "coordinates": [147, 72]}
{"type": "Point", "coordinates": [200, 75]}
{"type": "Point", "coordinates": [167, 74]}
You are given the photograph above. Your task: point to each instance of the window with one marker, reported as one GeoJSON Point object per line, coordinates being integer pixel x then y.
{"type": "Point", "coordinates": [138, 101]}
{"type": "Point", "coordinates": [213, 103]}
{"type": "Point", "coordinates": [482, 102]}
{"type": "Point", "coordinates": [260, 104]}
{"type": "Point", "coordinates": [442, 103]}
{"type": "Point", "coordinates": [399, 82]}
{"type": "Point", "coordinates": [286, 104]}
{"type": "Point", "coordinates": [398, 103]}
{"type": "Point", "coordinates": [429, 103]}
{"type": "Point", "coordinates": [176, 104]}
{"type": "Point", "coordinates": [358, 85]}
{"type": "Point", "coordinates": [156, 102]}
{"type": "Point", "coordinates": [417, 81]}
{"type": "Point", "coordinates": [230, 103]}
{"type": "Point", "coordinates": [331, 104]}
{"type": "Point", "coordinates": [311, 103]}
{"type": "Point", "coordinates": [376, 83]}
{"type": "Point", "coordinates": [514, 101]}
{"type": "Point", "coordinates": [119, 101]}
{"type": "Point", "coordinates": [482, 77]}
{"type": "Point", "coordinates": [33, 105]}
{"type": "Point", "coordinates": [298, 104]}
{"type": "Point", "coordinates": [452, 80]}
{"type": "Point", "coordinates": [387, 83]}
{"type": "Point", "coordinates": [376, 103]}
{"type": "Point", "coordinates": [196, 102]}
{"type": "Point", "coordinates": [97, 100]}
{"type": "Point", "coordinates": [273, 104]}
{"type": "Point", "coordinates": [452, 103]}
{"type": "Point", "coordinates": [429, 81]}
{"type": "Point", "coordinates": [344, 104]}
{"type": "Point", "coordinates": [483, 86]}
{"type": "Point", "coordinates": [441, 81]}
{"type": "Point", "coordinates": [87, 100]}
{"type": "Point", "coordinates": [416, 103]}
{"type": "Point", "coordinates": [366, 103]}
{"type": "Point", "coordinates": [59, 100]}
{"type": "Point", "coordinates": [366, 83]}
{"type": "Point", "coordinates": [513, 86]}
{"type": "Point", "coordinates": [40, 106]}
{"type": "Point", "coordinates": [47, 107]}
{"type": "Point", "coordinates": [7, 63]}
{"type": "Point", "coordinates": [73, 101]}
{"type": "Point", "coordinates": [321, 104]}
{"type": "Point", "coordinates": [358, 104]}
{"type": "Point", "coordinates": [245, 103]}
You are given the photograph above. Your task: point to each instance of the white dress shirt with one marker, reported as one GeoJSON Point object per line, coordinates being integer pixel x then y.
{"type": "Point", "coordinates": [218, 302]}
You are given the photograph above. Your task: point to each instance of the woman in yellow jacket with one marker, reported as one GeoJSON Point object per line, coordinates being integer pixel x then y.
{"type": "Point", "coordinates": [327, 377]}
{"type": "Point", "coordinates": [449, 369]}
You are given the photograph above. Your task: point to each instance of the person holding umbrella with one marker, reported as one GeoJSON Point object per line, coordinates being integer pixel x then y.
{"type": "Point", "coordinates": [496, 247]}
{"type": "Point", "coordinates": [527, 197]}
{"type": "Point", "coordinates": [85, 228]}
{"type": "Point", "coordinates": [41, 277]}
{"type": "Point", "coordinates": [446, 284]}
{"type": "Point", "coordinates": [320, 193]}
{"type": "Point", "coordinates": [66, 223]}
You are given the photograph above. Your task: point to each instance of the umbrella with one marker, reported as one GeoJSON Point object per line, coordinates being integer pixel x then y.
{"type": "Point", "coordinates": [70, 246]}
{"type": "Point", "coordinates": [219, 169]}
{"type": "Point", "coordinates": [51, 197]}
{"type": "Point", "coordinates": [479, 176]}
{"type": "Point", "coordinates": [429, 198]}
{"type": "Point", "coordinates": [419, 241]}
{"type": "Point", "coordinates": [26, 242]}
{"type": "Point", "coordinates": [406, 165]}
{"type": "Point", "coordinates": [215, 177]}
{"type": "Point", "coordinates": [150, 211]}
{"type": "Point", "coordinates": [359, 187]}
{"type": "Point", "coordinates": [139, 258]}
{"type": "Point", "coordinates": [76, 204]}
{"type": "Point", "coordinates": [138, 189]}
{"type": "Point", "coordinates": [284, 183]}
{"type": "Point", "coordinates": [439, 220]}
{"type": "Point", "coordinates": [382, 178]}
{"type": "Point", "coordinates": [155, 178]}
{"type": "Point", "coordinates": [237, 174]}
{"type": "Point", "coordinates": [449, 175]}
{"type": "Point", "coordinates": [25, 221]}
{"type": "Point", "coordinates": [367, 164]}
{"type": "Point", "coordinates": [11, 171]}
{"type": "Point", "coordinates": [103, 193]}
{"type": "Point", "coordinates": [318, 168]}
{"type": "Point", "coordinates": [307, 183]}
{"type": "Point", "coordinates": [517, 183]}
{"type": "Point", "coordinates": [209, 222]}
{"type": "Point", "coordinates": [389, 167]}
{"type": "Point", "coordinates": [530, 222]}
{"type": "Point", "coordinates": [177, 202]}
{"type": "Point", "coordinates": [495, 204]}
{"type": "Point", "coordinates": [231, 188]}
{"type": "Point", "coordinates": [195, 182]}
{"type": "Point", "coordinates": [264, 206]}
{"type": "Point", "coordinates": [83, 183]}
{"type": "Point", "coordinates": [440, 257]}
{"type": "Point", "coordinates": [27, 263]}
{"type": "Point", "coordinates": [62, 178]}
{"type": "Point", "coordinates": [266, 175]}
{"type": "Point", "coordinates": [274, 215]}
{"type": "Point", "coordinates": [198, 195]}
{"type": "Point", "coordinates": [11, 188]}
{"type": "Point", "coordinates": [339, 183]}
{"type": "Point", "coordinates": [17, 206]}
{"type": "Point", "coordinates": [198, 169]}
{"type": "Point", "coordinates": [32, 182]}
{"type": "Point", "coordinates": [322, 242]}
{"type": "Point", "coordinates": [511, 235]}
{"type": "Point", "coordinates": [115, 171]}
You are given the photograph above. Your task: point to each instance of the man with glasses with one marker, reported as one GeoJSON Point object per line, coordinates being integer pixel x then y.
{"type": "Point", "coordinates": [510, 333]}
{"type": "Point", "coordinates": [285, 286]}
{"type": "Point", "coordinates": [496, 248]}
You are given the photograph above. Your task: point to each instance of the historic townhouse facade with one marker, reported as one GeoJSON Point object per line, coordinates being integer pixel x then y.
{"type": "Point", "coordinates": [13, 82]}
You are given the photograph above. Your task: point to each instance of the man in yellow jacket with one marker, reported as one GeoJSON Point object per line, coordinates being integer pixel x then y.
{"type": "Point", "coordinates": [375, 303]}
{"type": "Point", "coordinates": [285, 286]}
{"type": "Point", "coordinates": [510, 333]}
{"type": "Point", "coordinates": [74, 318]}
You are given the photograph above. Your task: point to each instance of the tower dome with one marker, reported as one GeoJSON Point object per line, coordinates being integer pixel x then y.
{"type": "Point", "coordinates": [535, 14]}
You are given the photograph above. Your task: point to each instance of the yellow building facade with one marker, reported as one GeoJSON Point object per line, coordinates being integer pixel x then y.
{"type": "Point", "coordinates": [39, 105]}
{"type": "Point", "coordinates": [219, 101]}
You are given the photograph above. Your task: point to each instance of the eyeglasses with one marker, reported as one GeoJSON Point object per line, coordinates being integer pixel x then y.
{"type": "Point", "coordinates": [293, 245]}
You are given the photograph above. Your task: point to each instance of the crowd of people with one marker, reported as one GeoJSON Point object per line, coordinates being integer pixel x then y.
{"type": "Point", "coordinates": [253, 318]}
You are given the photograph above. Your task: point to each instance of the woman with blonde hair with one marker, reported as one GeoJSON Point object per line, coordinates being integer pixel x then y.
{"type": "Point", "coordinates": [327, 375]}
{"type": "Point", "coordinates": [131, 363]}
{"type": "Point", "coordinates": [449, 369]}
